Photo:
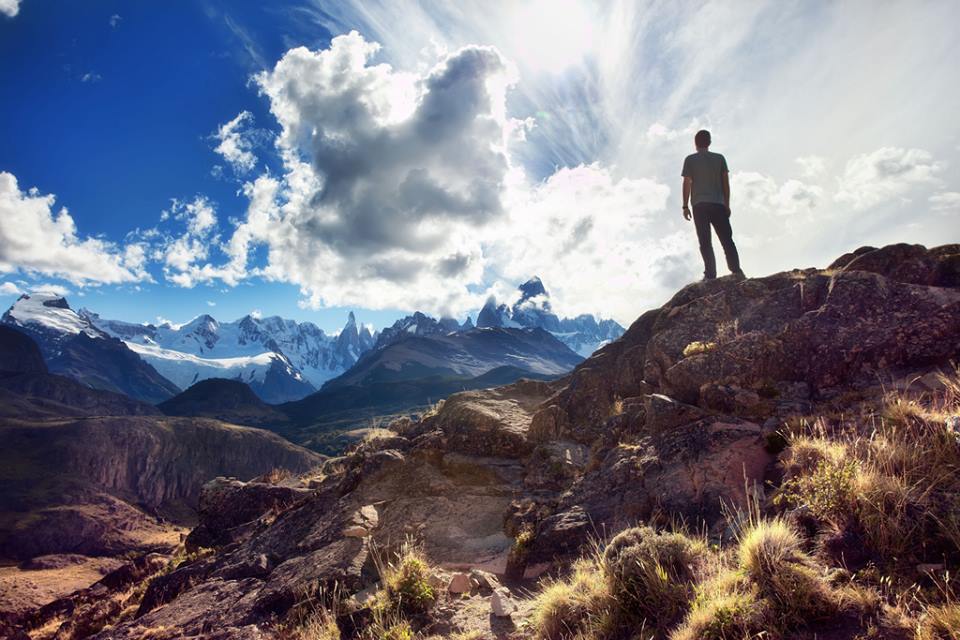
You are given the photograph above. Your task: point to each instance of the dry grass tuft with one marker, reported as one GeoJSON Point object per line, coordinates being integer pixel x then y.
{"type": "Point", "coordinates": [940, 623]}
{"type": "Point", "coordinates": [577, 607]}
{"type": "Point", "coordinates": [652, 574]}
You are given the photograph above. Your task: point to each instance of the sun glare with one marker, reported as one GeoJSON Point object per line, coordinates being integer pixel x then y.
{"type": "Point", "coordinates": [551, 35]}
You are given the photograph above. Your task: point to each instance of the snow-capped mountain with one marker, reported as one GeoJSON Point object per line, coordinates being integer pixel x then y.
{"type": "Point", "coordinates": [49, 320]}
{"type": "Point", "coordinates": [584, 334]}
{"type": "Point", "coordinates": [281, 359]}
{"type": "Point", "coordinates": [72, 346]}
{"type": "Point", "coordinates": [420, 324]}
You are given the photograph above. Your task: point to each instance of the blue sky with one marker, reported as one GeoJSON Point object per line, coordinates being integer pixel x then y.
{"type": "Point", "coordinates": [225, 157]}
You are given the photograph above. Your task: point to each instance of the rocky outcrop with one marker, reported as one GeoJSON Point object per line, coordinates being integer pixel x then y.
{"type": "Point", "coordinates": [765, 346]}
{"type": "Point", "coordinates": [227, 503]}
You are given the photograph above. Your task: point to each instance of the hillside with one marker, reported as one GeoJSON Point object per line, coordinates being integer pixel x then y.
{"type": "Point", "coordinates": [228, 400]}
{"type": "Point", "coordinates": [775, 457]}
{"type": "Point", "coordinates": [409, 371]}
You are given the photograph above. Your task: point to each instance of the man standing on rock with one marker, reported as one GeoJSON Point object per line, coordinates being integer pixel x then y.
{"type": "Point", "coordinates": [707, 179]}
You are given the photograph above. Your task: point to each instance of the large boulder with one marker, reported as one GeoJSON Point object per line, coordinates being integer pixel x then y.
{"type": "Point", "coordinates": [227, 503]}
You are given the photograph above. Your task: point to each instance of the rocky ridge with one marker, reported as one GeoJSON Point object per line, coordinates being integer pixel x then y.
{"type": "Point", "coordinates": [676, 419]}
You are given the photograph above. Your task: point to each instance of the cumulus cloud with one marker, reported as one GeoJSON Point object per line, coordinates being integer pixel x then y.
{"type": "Point", "coordinates": [236, 143]}
{"type": "Point", "coordinates": [184, 256]}
{"type": "Point", "coordinates": [764, 194]}
{"type": "Point", "coordinates": [886, 174]}
{"type": "Point", "coordinates": [388, 175]}
{"type": "Point", "coordinates": [35, 239]}
{"type": "Point", "coordinates": [115, 20]}
{"type": "Point", "coordinates": [9, 289]}
{"type": "Point", "coordinates": [10, 8]}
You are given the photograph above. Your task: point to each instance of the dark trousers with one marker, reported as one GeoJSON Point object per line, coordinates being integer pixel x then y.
{"type": "Point", "coordinates": [706, 214]}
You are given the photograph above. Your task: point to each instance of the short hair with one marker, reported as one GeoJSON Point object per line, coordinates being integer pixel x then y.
{"type": "Point", "coordinates": [702, 139]}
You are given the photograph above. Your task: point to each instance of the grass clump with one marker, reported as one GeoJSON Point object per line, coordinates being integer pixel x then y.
{"type": "Point", "coordinates": [940, 623]}
{"type": "Point", "coordinates": [726, 607]}
{"type": "Point", "coordinates": [406, 581]}
{"type": "Point", "coordinates": [641, 583]}
{"type": "Point", "coordinates": [578, 607]}
{"type": "Point", "coordinates": [651, 574]}
{"type": "Point", "coordinates": [770, 555]}
{"type": "Point", "coordinates": [894, 477]}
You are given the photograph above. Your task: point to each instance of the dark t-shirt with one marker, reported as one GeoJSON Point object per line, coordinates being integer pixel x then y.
{"type": "Point", "coordinates": [707, 169]}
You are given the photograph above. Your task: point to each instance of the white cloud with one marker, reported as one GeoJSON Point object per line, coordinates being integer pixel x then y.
{"type": "Point", "coordinates": [91, 77]}
{"type": "Point", "coordinates": [236, 145]}
{"type": "Point", "coordinates": [886, 174]}
{"type": "Point", "coordinates": [256, 314]}
{"type": "Point", "coordinates": [115, 20]}
{"type": "Point", "coordinates": [211, 303]}
{"type": "Point", "coordinates": [946, 202]}
{"type": "Point", "coordinates": [36, 240]}
{"type": "Point", "coordinates": [10, 8]}
{"type": "Point", "coordinates": [763, 193]}
{"type": "Point", "coordinates": [55, 289]}
{"type": "Point", "coordinates": [9, 289]}
{"type": "Point", "coordinates": [812, 166]}
{"type": "Point", "coordinates": [184, 256]}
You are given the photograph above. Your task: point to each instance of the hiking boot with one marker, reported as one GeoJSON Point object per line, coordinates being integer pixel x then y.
{"type": "Point", "coordinates": [739, 275]}
{"type": "Point", "coordinates": [708, 278]}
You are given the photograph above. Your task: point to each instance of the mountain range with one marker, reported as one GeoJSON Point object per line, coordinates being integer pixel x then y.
{"type": "Point", "coordinates": [284, 360]}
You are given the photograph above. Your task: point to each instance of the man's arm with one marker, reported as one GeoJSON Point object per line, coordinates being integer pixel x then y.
{"type": "Point", "coordinates": [687, 186]}
{"type": "Point", "coordinates": [726, 189]}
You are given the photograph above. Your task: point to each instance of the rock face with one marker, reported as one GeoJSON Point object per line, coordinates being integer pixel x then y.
{"type": "Point", "coordinates": [70, 485]}
{"type": "Point", "coordinates": [18, 353]}
{"type": "Point", "coordinates": [673, 419]}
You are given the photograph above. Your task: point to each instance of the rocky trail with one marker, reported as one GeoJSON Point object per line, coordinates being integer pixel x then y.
{"type": "Point", "coordinates": [681, 419]}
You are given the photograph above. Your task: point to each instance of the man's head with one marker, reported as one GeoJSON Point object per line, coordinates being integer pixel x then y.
{"type": "Point", "coordinates": [702, 139]}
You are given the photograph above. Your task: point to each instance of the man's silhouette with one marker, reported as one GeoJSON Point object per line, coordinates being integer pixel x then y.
{"type": "Point", "coordinates": [706, 181]}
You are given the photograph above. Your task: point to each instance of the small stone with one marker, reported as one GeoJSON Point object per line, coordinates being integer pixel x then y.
{"type": "Point", "coordinates": [370, 516]}
{"type": "Point", "coordinates": [501, 605]}
{"type": "Point", "coordinates": [459, 583]}
{"type": "Point", "coordinates": [435, 580]}
{"type": "Point", "coordinates": [355, 531]}
{"type": "Point", "coordinates": [484, 579]}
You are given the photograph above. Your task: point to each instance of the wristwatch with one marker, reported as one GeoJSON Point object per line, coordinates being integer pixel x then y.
{"type": "Point", "coordinates": [685, 207]}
